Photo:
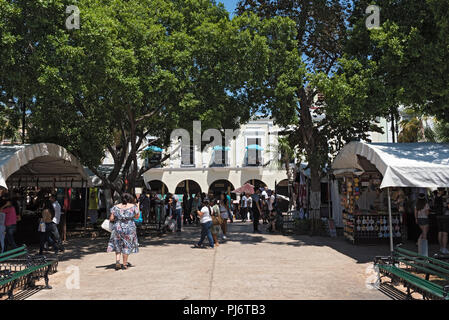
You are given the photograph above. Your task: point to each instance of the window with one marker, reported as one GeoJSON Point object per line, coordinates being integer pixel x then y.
{"type": "Point", "coordinates": [220, 157]}
{"type": "Point", "coordinates": [254, 152]}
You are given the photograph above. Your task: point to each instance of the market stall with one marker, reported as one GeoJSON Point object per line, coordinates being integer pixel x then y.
{"type": "Point", "coordinates": [31, 171]}
{"type": "Point", "coordinates": [372, 181]}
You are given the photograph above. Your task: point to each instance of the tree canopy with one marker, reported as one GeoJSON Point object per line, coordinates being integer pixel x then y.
{"type": "Point", "coordinates": [134, 68]}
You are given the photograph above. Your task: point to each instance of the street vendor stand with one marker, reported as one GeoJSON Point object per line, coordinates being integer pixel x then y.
{"type": "Point", "coordinates": [388, 166]}
{"type": "Point", "coordinates": [32, 168]}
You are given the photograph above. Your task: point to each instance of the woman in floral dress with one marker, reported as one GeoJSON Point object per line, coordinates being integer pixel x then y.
{"type": "Point", "coordinates": [123, 236]}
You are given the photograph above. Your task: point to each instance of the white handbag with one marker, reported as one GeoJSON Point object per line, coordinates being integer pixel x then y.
{"type": "Point", "coordinates": [107, 225]}
{"type": "Point", "coordinates": [41, 227]}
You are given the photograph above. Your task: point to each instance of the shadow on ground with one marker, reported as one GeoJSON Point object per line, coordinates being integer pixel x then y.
{"type": "Point", "coordinates": [238, 232]}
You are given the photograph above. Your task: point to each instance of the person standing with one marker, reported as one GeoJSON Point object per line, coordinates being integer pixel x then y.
{"type": "Point", "coordinates": [224, 213]}
{"type": "Point", "coordinates": [52, 228]}
{"type": "Point", "coordinates": [195, 207]}
{"type": "Point", "coordinates": [93, 206]}
{"type": "Point", "coordinates": [216, 219]}
{"type": "Point", "coordinates": [250, 207]}
{"type": "Point", "coordinates": [244, 207]}
{"type": "Point", "coordinates": [422, 216]}
{"type": "Point", "coordinates": [2, 231]}
{"type": "Point", "coordinates": [10, 223]}
{"type": "Point", "coordinates": [206, 224]}
{"type": "Point", "coordinates": [256, 203]}
{"type": "Point", "coordinates": [442, 212]}
{"type": "Point", "coordinates": [123, 240]}
{"type": "Point", "coordinates": [178, 213]}
{"type": "Point", "coordinates": [46, 219]}
{"type": "Point", "coordinates": [144, 206]}
{"type": "Point", "coordinates": [228, 198]}
{"type": "Point", "coordinates": [186, 209]}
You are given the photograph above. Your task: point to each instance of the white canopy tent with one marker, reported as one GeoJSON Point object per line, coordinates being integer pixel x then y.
{"type": "Point", "coordinates": [420, 165]}
{"type": "Point", "coordinates": [423, 164]}
{"type": "Point", "coordinates": [43, 165]}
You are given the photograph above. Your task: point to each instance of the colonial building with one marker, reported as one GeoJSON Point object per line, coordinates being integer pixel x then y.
{"type": "Point", "coordinates": [251, 156]}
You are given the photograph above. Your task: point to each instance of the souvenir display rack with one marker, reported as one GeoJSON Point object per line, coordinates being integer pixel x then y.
{"type": "Point", "coordinates": [369, 225]}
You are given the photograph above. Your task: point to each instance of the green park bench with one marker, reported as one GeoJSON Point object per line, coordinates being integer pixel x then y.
{"type": "Point", "coordinates": [20, 270]}
{"type": "Point", "coordinates": [389, 267]}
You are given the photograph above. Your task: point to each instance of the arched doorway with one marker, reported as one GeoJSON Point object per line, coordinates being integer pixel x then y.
{"type": "Point", "coordinates": [282, 187]}
{"type": "Point", "coordinates": [222, 185]}
{"type": "Point", "coordinates": [158, 186]}
{"type": "Point", "coordinates": [257, 183]}
{"type": "Point", "coordinates": [189, 186]}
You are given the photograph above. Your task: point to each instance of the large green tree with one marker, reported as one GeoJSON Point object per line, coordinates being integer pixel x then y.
{"type": "Point", "coordinates": [134, 68]}
{"type": "Point", "coordinates": [410, 51]}
{"type": "Point", "coordinates": [322, 102]}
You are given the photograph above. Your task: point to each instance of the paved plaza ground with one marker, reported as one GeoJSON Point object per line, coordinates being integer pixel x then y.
{"type": "Point", "coordinates": [247, 266]}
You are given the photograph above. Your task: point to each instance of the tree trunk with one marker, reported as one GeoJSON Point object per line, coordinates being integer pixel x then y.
{"type": "Point", "coordinates": [315, 197]}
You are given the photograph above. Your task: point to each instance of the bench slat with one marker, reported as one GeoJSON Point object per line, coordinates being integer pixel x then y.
{"type": "Point", "coordinates": [426, 264]}
{"type": "Point", "coordinates": [6, 253]}
{"type": "Point", "coordinates": [424, 269]}
{"type": "Point", "coordinates": [24, 272]}
{"type": "Point", "coordinates": [414, 280]}
{"type": "Point", "coordinates": [411, 253]}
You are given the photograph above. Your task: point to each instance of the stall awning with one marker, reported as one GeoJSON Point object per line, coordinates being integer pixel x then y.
{"type": "Point", "coordinates": [41, 164]}
{"type": "Point", "coordinates": [401, 164]}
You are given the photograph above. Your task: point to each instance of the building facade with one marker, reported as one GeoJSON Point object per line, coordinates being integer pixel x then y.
{"type": "Point", "coordinates": [251, 156]}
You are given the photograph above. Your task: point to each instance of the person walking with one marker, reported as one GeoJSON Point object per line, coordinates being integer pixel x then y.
{"type": "Point", "coordinates": [206, 224]}
{"type": "Point", "coordinates": [243, 207]}
{"type": "Point", "coordinates": [224, 213]}
{"type": "Point", "coordinates": [422, 216]}
{"type": "Point", "coordinates": [10, 223]}
{"type": "Point", "coordinates": [123, 240]}
{"type": "Point", "coordinates": [256, 203]}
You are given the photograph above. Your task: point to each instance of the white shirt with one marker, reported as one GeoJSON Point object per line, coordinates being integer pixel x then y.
{"type": "Point", "coordinates": [264, 195]}
{"type": "Point", "coordinates": [250, 202]}
{"type": "Point", "coordinates": [244, 202]}
{"type": "Point", "coordinates": [57, 208]}
{"type": "Point", "coordinates": [270, 202]}
{"type": "Point", "coordinates": [206, 215]}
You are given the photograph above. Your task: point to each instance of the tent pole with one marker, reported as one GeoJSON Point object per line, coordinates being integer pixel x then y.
{"type": "Point", "coordinates": [85, 207]}
{"type": "Point", "coordinates": [390, 221]}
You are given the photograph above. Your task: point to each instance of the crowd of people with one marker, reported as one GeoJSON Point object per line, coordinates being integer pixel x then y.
{"type": "Point", "coordinates": [439, 203]}
{"type": "Point", "coordinates": [212, 212]}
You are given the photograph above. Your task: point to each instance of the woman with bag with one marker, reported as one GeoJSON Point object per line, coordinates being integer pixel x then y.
{"type": "Point", "coordinates": [206, 224]}
{"type": "Point", "coordinates": [123, 239]}
{"type": "Point", "coordinates": [46, 218]}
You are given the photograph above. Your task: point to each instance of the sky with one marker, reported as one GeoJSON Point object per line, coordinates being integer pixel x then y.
{"type": "Point", "coordinates": [230, 5]}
